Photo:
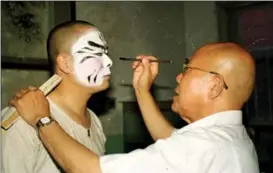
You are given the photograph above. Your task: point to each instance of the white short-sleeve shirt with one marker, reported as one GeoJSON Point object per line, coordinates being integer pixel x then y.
{"type": "Point", "coordinates": [218, 143]}
{"type": "Point", "coordinates": [23, 152]}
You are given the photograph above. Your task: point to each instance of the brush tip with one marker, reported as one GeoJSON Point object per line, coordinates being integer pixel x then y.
{"type": "Point", "coordinates": [121, 58]}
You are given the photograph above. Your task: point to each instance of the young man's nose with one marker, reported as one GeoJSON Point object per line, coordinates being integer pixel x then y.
{"type": "Point", "coordinates": [107, 62]}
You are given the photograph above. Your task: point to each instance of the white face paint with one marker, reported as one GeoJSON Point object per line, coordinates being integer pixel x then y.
{"type": "Point", "coordinates": [91, 62]}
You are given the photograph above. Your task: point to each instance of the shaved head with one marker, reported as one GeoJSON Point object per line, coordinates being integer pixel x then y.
{"type": "Point", "coordinates": [62, 37]}
{"type": "Point", "coordinates": [78, 53]}
{"type": "Point", "coordinates": [234, 63]}
{"type": "Point", "coordinates": [219, 77]}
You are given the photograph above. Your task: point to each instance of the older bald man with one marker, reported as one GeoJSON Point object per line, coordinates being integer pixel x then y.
{"type": "Point", "coordinates": [213, 88]}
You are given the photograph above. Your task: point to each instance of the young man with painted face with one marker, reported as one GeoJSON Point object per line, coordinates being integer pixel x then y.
{"type": "Point", "coordinates": [78, 52]}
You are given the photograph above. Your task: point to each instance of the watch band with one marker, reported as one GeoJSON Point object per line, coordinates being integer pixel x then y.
{"type": "Point", "coordinates": [44, 122]}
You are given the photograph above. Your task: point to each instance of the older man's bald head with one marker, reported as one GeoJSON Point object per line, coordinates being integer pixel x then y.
{"type": "Point", "coordinates": [63, 36]}
{"type": "Point", "coordinates": [234, 63]}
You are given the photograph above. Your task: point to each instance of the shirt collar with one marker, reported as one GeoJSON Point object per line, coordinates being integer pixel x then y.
{"type": "Point", "coordinates": [232, 117]}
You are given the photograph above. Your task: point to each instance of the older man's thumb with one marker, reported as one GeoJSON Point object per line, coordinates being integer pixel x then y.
{"type": "Point", "coordinates": [146, 66]}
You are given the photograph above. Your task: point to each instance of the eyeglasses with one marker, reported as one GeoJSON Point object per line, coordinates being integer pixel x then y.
{"type": "Point", "coordinates": [211, 72]}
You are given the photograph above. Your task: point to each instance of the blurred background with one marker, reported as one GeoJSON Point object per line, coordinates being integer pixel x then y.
{"type": "Point", "coordinates": [168, 30]}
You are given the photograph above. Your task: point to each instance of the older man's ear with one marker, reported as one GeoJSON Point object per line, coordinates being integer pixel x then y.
{"type": "Point", "coordinates": [215, 87]}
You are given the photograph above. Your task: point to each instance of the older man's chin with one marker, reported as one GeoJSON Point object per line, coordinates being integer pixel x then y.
{"type": "Point", "coordinates": [175, 108]}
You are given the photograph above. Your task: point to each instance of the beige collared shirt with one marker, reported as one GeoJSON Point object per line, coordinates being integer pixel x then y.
{"type": "Point", "coordinates": [23, 152]}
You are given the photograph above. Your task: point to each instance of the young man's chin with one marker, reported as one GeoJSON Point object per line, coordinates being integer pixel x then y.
{"type": "Point", "coordinates": [107, 77]}
{"type": "Point", "coordinates": [104, 86]}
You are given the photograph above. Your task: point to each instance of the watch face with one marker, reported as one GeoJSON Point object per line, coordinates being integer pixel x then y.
{"type": "Point", "coordinates": [45, 120]}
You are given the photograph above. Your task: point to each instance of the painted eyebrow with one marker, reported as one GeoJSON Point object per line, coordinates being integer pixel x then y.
{"type": "Point", "coordinates": [91, 43]}
{"type": "Point", "coordinates": [82, 51]}
{"type": "Point", "coordinates": [85, 58]}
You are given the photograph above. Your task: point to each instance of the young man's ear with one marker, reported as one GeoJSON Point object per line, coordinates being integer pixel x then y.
{"type": "Point", "coordinates": [216, 86]}
{"type": "Point", "coordinates": [64, 63]}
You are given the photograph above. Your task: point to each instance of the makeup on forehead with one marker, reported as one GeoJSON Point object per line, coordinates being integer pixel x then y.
{"type": "Point", "coordinates": [90, 40]}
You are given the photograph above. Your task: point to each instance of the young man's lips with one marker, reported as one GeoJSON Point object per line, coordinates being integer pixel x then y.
{"type": "Point", "coordinates": [107, 76]}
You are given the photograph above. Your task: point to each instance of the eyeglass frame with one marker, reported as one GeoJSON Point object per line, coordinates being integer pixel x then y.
{"type": "Point", "coordinates": [211, 72]}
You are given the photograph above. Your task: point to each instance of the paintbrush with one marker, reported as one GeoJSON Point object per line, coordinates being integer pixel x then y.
{"type": "Point", "coordinates": [158, 61]}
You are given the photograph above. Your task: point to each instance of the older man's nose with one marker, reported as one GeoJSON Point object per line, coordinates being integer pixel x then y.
{"type": "Point", "coordinates": [179, 77]}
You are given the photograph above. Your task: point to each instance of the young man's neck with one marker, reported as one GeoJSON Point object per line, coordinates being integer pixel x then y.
{"type": "Point", "coordinates": [72, 97]}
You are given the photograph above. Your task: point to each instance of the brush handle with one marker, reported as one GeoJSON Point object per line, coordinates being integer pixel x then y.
{"type": "Point", "coordinates": [158, 61]}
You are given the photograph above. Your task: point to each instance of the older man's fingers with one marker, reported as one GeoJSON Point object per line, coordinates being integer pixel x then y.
{"type": "Point", "coordinates": [13, 102]}
{"type": "Point", "coordinates": [135, 64]}
{"type": "Point", "coordinates": [24, 90]}
{"type": "Point", "coordinates": [21, 93]}
{"type": "Point", "coordinates": [140, 56]}
{"type": "Point", "coordinates": [32, 88]}
{"type": "Point", "coordinates": [146, 57]}
{"type": "Point", "coordinates": [16, 96]}
{"type": "Point", "coordinates": [136, 68]}
{"type": "Point", "coordinates": [40, 91]}
{"type": "Point", "coordinates": [151, 58]}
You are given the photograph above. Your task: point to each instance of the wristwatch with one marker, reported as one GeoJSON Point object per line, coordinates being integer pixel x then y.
{"type": "Point", "coordinates": [44, 122]}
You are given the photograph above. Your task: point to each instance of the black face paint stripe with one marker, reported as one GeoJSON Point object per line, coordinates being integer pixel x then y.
{"type": "Point", "coordinates": [95, 78]}
{"type": "Point", "coordinates": [88, 48]}
{"type": "Point", "coordinates": [80, 51]}
{"type": "Point", "coordinates": [89, 77]}
{"type": "Point", "coordinates": [85, 58]}
{"type": "Point", "coordinates": [91, 43]}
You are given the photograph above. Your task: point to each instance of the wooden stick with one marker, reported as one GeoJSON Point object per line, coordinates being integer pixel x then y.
{"type": "Point", "coordinates": [46, 88]}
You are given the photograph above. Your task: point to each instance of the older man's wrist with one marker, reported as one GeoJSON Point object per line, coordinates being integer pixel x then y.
{"type": "Point", "coordinates": [142, 93]}
{"type": "Point", "coordinates": [43, 121]}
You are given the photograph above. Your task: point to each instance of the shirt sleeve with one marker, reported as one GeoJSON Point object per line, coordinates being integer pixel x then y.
{"type": "Point", "coordinates": [18, 153]}
{"type": "Point", "coordinates": [152, 159]}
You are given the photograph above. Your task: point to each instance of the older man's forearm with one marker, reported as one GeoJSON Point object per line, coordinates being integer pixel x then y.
{"type": "Point", "coordinates": [71, 155]}
{"type": "Point", "coordinates": [158, 126]}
